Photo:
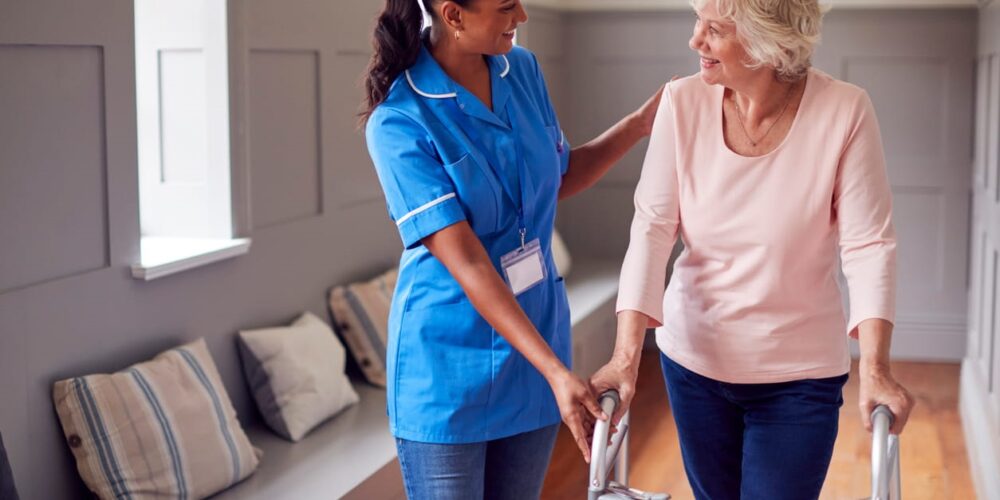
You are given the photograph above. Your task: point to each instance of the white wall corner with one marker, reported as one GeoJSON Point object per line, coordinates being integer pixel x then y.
{"type": "Point", "coordinates": [982, 438]}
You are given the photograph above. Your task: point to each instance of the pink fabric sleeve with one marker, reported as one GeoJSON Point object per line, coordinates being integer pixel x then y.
{"type": "Point", "coordinates": [862, 204]}
{"type": "Point", "coordinates": [654, 226]}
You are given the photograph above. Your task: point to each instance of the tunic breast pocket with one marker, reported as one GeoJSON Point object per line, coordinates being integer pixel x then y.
{"type": "Point", "coordinates": [546, 154]}
{"type": "Point", "coordinates": [477, 193]}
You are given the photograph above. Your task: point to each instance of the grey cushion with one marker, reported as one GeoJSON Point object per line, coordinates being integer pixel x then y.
{"type": "Point", "coordinates": [7, 490]}
{"type": "Point", "coordinates": [296, 374]}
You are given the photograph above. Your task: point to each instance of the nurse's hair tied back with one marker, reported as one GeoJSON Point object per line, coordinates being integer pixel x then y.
{"type": "Point", "coordinates": [396, 43]}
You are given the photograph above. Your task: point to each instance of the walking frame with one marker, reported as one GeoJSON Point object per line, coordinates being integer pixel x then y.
{"type": "Point", "coordinates": [604, 457]}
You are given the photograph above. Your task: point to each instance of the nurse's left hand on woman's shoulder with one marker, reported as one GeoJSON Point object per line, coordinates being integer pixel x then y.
{"type": "Point", "coordinates": [647, 112]}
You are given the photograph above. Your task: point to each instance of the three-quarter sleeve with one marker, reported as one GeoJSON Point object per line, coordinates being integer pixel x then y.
{"type": "Point", "coordinates": [862, 204]}
{"type": "Point", "coordinates": [420, 196]}
{"type": "Point", "coordinates": [656, 221]}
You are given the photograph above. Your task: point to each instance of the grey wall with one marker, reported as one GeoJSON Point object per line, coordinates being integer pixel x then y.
{"type": "Point", "coordinates": [917, 66]}
{"type": "Point", "coordinates": [69, 229]}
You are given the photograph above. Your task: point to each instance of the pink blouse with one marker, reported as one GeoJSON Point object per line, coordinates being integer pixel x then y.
{"type": "Point", "coordinates": [754, 296]}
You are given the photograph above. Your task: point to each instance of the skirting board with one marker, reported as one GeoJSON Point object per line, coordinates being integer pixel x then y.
{"type": "Point", "coordinates": [926, 341]}
{"type": "Point", "coordinates": [982, 440]}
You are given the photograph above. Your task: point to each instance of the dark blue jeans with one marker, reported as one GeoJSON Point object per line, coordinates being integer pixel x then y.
{"type": "Point", "coordinates": [754, 441]}
{"type": "Point", "coordinates": [508, 468]}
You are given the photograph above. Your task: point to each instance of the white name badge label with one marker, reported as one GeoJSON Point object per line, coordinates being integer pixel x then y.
{"type": "Point", "coordinates": [524, 267]}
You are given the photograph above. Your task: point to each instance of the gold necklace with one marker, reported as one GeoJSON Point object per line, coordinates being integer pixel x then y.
{"type": "Point", "coordinates": [739, 113]}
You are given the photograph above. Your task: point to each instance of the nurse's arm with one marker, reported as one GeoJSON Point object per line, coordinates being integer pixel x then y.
{"type": "Point", "coordinates": [460, 250]}
{"type": "Point", "coordinates": [589, 162]}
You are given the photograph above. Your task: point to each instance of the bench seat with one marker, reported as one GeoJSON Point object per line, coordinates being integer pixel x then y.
{"type": "Point", "coordinates": [353, 456]}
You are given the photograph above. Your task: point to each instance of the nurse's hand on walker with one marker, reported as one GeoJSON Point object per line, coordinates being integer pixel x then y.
{"type": "Point", "coordinates": [577, 405]}
{"type": "Point", "coordinates": [622, 370]}
{"type": "Point", "coordinates": [459, 249]}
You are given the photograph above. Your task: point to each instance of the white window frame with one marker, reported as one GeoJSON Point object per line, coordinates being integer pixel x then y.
{"type": "Point", "coordinates": [182, 120]}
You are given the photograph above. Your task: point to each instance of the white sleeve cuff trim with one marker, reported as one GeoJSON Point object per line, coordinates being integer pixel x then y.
{"type": "Point", "coordinates": [424, 207]}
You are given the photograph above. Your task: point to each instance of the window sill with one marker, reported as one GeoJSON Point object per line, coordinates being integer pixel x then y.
{"type": "Point", "coordinates": [162, 256]}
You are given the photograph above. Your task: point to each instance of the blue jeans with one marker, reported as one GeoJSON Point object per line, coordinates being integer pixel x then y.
{"type": "Point", "coordinates": [754, 441]}
{"type": "Point", "coordinates": [508, 468]}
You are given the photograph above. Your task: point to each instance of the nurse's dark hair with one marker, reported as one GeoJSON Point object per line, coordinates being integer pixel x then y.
{"type": "Point", "coordinates": [396, 44]}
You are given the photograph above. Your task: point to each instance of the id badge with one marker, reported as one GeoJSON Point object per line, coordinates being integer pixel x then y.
{"type": "Point", "coordinates": [524, 267]}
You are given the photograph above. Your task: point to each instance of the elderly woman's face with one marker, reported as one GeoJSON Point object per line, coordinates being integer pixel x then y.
{"type": "Point", "coordinates": [721, 52]}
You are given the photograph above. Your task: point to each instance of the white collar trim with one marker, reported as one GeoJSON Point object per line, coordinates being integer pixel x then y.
{"type": "Point", "coordinates": [409, 79]}
{"type": "Point", "coordinates": [413, 86]}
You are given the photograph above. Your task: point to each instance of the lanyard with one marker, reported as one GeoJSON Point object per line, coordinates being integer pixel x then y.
{"type": "Point", "coordinates": [515, 193]}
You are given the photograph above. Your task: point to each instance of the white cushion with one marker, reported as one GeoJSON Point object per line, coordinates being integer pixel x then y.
{"type": "Point", "coordinates": [560, 254]}
{"type": "Point", "coordinates": [296, 375]}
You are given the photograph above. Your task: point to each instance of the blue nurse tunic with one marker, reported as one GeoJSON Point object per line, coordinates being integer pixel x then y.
{"type": "Point", "coordinates": [451, 377]}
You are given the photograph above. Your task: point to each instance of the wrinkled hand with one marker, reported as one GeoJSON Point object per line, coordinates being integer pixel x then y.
{"type": "Point", "coordinates": [578, 407]}
{"type": "Point", "coordinates": [879, 388]}
{"type": "Point", "coordinates": [620, 376]}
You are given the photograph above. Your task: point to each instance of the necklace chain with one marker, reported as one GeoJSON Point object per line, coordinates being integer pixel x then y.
{"type": "Point", "coordinates": [739, 113]}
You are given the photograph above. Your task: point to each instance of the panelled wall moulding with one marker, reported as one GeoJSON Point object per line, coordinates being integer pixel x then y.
{"type": "Point", "coordinates": [284, 135]}
{"type": "Point", "coordinates": [55, 164]}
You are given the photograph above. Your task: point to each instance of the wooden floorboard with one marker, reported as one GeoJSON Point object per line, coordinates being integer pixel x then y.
{"type": "Point", "coordinates": [932, 450]}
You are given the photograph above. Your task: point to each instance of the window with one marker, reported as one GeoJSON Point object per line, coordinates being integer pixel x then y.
{"type": "Point", "coordinates": [182, 111]}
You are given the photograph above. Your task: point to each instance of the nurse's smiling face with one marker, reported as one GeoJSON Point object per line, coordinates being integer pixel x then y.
{"type": "Point", "coordinates": [721, 52]}
{"type": "Point", "coordinates": [487, 26]}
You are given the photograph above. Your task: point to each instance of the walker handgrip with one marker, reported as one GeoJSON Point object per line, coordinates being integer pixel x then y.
{"type": "Point", "coordinates": [615, 398]}
{"type": "Point", "coordinates": [608, 402]}
{"type": "Point", "coordinates": [885, 456]}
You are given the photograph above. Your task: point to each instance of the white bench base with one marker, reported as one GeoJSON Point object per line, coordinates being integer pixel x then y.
{"type": "Point", "coordinates": [353, 456]}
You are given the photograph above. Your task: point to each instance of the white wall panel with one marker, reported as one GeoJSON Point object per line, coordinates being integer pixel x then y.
{"type": "Point", "coordinates": [980, 386]}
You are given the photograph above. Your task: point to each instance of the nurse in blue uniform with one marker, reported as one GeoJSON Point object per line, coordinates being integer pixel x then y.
{"type": "Point", "coordinates": [472, 161]}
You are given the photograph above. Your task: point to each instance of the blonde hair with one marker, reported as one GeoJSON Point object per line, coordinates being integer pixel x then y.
{"type": "Point", "coordinates": [778, 33]}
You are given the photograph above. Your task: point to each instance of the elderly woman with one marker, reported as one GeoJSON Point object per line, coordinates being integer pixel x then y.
{"type": "Point", "coordinates": [764, 166]}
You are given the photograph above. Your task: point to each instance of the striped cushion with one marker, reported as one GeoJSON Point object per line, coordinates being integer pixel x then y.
{"type": "Point", "coordinates": [164, 428]}
{"type": "Point", "coordinates": [361, 315]}
{"type": "Point", "coordinates": [560, 254]}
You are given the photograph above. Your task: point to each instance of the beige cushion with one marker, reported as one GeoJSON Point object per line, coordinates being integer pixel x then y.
{"type": "Point", "coordinates": [296, 374]}
{"type": "Point", "coordinates": [560, 254]}
{"type": "Point", "coordinates": [164, 428]}
{"type": "Point", "coordinates": [361, 315]}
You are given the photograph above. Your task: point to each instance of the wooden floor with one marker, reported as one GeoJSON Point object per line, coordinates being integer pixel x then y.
{"type": "Point", "coordinates": [933, 457]}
